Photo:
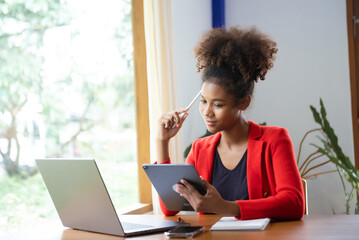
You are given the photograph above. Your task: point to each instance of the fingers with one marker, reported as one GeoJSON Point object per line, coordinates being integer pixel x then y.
{"type": "Point", "coordinates": [211, 202]}
{"type": "Point", "coordinates": [190, 189]}
{"type": "Point", "coordinates": [173, 119]}
{"type": "Point", "coordinates": [205, 183]}
{"type": "Point", "coordinates": [182, 110]}
{"type": "Point", "coordinates": [187, 191]}
{"type": "Point", "coordinates": [176, 119]}
{"type": "Point", "coordinates": [184, 118]}
{"type": "Point", "coordinates": [168, 121]}
{"type": "Point", "coordinates": [181, 188]}
{"type": "Point", "coordinates": [207, 186]}
{"type": "Point", "coordinates": [180, 115]}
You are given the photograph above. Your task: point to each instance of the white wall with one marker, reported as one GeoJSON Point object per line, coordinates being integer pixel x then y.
{"type": "Point", "coordinates": [190, 20]}
{"type": "Point", "coordinates": [312, 62]}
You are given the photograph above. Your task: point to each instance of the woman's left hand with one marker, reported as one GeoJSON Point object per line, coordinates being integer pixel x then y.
{"type": "Point", "coordinates": [211, 202]}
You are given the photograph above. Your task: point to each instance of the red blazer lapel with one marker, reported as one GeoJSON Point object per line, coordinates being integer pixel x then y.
{"type": "Point", "coordinates": [208, 154]}
{"type": "Point", "coordinates": [254, 161]}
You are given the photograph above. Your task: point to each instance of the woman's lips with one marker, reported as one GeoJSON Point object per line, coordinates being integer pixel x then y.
{"type": "Point", "coordinates": [210, 123]}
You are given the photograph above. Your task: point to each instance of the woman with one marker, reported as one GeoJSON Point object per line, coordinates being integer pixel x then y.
{"type": "Point", "coordinates": [249, 170]}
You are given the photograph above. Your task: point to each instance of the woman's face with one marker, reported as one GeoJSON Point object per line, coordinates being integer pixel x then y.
{"type": "Point", "coordinates": [217, 108]}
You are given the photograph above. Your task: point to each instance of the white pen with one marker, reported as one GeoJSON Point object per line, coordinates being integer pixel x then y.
{"type": "Point", "coordinates": [193, 101]}
{"type": "Point", "coordinates": [190, 105]}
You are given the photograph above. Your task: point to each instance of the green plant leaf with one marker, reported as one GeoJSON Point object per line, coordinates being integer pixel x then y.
{"type": "Point", "coordinates": [316, 115]}
{"type": "Point", "coordinates": [322, 109]}
{"type": "Point", "coordinates": [331, 148]}
{"type": "Point", "coordinates": [333, 139]}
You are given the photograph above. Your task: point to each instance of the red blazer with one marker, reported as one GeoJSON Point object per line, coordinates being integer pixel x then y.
{"type": "Point", "coordinates": [274, 184]}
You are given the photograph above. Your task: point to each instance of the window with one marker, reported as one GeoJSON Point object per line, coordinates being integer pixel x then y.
{"type": "Point", "coordinates": [66, 90]}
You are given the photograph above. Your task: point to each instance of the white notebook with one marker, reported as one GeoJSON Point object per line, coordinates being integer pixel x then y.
{"type": "Point", "coordinates": [231, 223]}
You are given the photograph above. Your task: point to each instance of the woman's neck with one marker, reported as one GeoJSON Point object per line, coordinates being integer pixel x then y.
{"type": "Point", "coordinates": [237, 135]}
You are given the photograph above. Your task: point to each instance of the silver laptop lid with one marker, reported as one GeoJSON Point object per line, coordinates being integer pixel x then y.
{"type": "Point", "coordinates": [80, 195]}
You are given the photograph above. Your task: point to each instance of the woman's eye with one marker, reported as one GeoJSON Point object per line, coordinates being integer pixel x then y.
{"type": "Point", "coordinates": [218, 105]}
{"type": "Point", "coordinates": [203, 101]}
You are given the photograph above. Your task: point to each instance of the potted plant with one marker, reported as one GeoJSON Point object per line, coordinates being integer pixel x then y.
{"type": "Point", "coordinates": [330, 149]}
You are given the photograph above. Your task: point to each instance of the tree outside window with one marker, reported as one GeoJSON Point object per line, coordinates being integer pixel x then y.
{"type": "Point", "coordinates": [66, 90]}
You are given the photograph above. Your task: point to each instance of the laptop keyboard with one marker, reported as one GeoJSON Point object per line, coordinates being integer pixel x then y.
{"type": "Point", "coordinates": [133, 226]}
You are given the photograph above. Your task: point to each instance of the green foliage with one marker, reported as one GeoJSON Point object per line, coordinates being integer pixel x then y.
{"type": "Point", "coordinates": [91, 99]}
{"type": "Point", "coordinates": [98, 92]}
{"type": "Point", "coordinates": [19, 197]}
{"type": "Point", "coordinates": [39, 14]}
{"type": "Point", "coordinates": [333, 151]}
{"type": "Point", "coordinates": [22, 26]}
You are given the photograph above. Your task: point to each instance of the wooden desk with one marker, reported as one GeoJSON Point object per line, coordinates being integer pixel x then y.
{"type": "Point", "coordinates": [311, 227]}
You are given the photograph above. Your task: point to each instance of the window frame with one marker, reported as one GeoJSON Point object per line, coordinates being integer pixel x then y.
{"type": "Point", "coordinates": [141, 108]}
{"type": "Point", "coordinates": [353, 54]}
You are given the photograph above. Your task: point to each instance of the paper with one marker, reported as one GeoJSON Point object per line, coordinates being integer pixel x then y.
{"type": "Point", "coordinates": [231, 223]}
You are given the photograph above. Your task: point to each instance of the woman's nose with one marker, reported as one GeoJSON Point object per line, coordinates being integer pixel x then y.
{"type": "Point", "coordinates": [208, 111]}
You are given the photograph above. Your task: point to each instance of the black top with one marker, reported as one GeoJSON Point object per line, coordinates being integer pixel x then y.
{"type": "Point", "coordinates": [231, 184]}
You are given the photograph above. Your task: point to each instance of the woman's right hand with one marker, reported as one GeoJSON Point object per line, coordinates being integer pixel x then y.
{"type": "Point", "coordinates": [170, 123]}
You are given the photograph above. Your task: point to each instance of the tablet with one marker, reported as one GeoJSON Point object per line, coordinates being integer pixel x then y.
{"type": "Point", "coordinates": [164, 178]}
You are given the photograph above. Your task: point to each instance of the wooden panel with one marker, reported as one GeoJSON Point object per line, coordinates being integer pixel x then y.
{"type": "Point", "coordinates": [353, 45]}
{"type": "Point", "coordinates": [141, 100]}
{"type": "Point", "coordinates": [355, 50]}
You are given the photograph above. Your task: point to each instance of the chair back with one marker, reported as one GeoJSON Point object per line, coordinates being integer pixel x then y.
{"type": "Point", "coordinates": [305, 191]}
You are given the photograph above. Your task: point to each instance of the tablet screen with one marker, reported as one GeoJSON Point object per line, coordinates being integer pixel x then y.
{"type": "Point", "coordinates": [164, 178]}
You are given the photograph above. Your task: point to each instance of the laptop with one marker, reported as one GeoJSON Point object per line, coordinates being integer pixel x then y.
{"type": "Point", "coordinates": [82, 200]}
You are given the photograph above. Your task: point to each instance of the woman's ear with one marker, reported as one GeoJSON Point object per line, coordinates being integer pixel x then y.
{"type": "Point", "coordinates": [244, 102]}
